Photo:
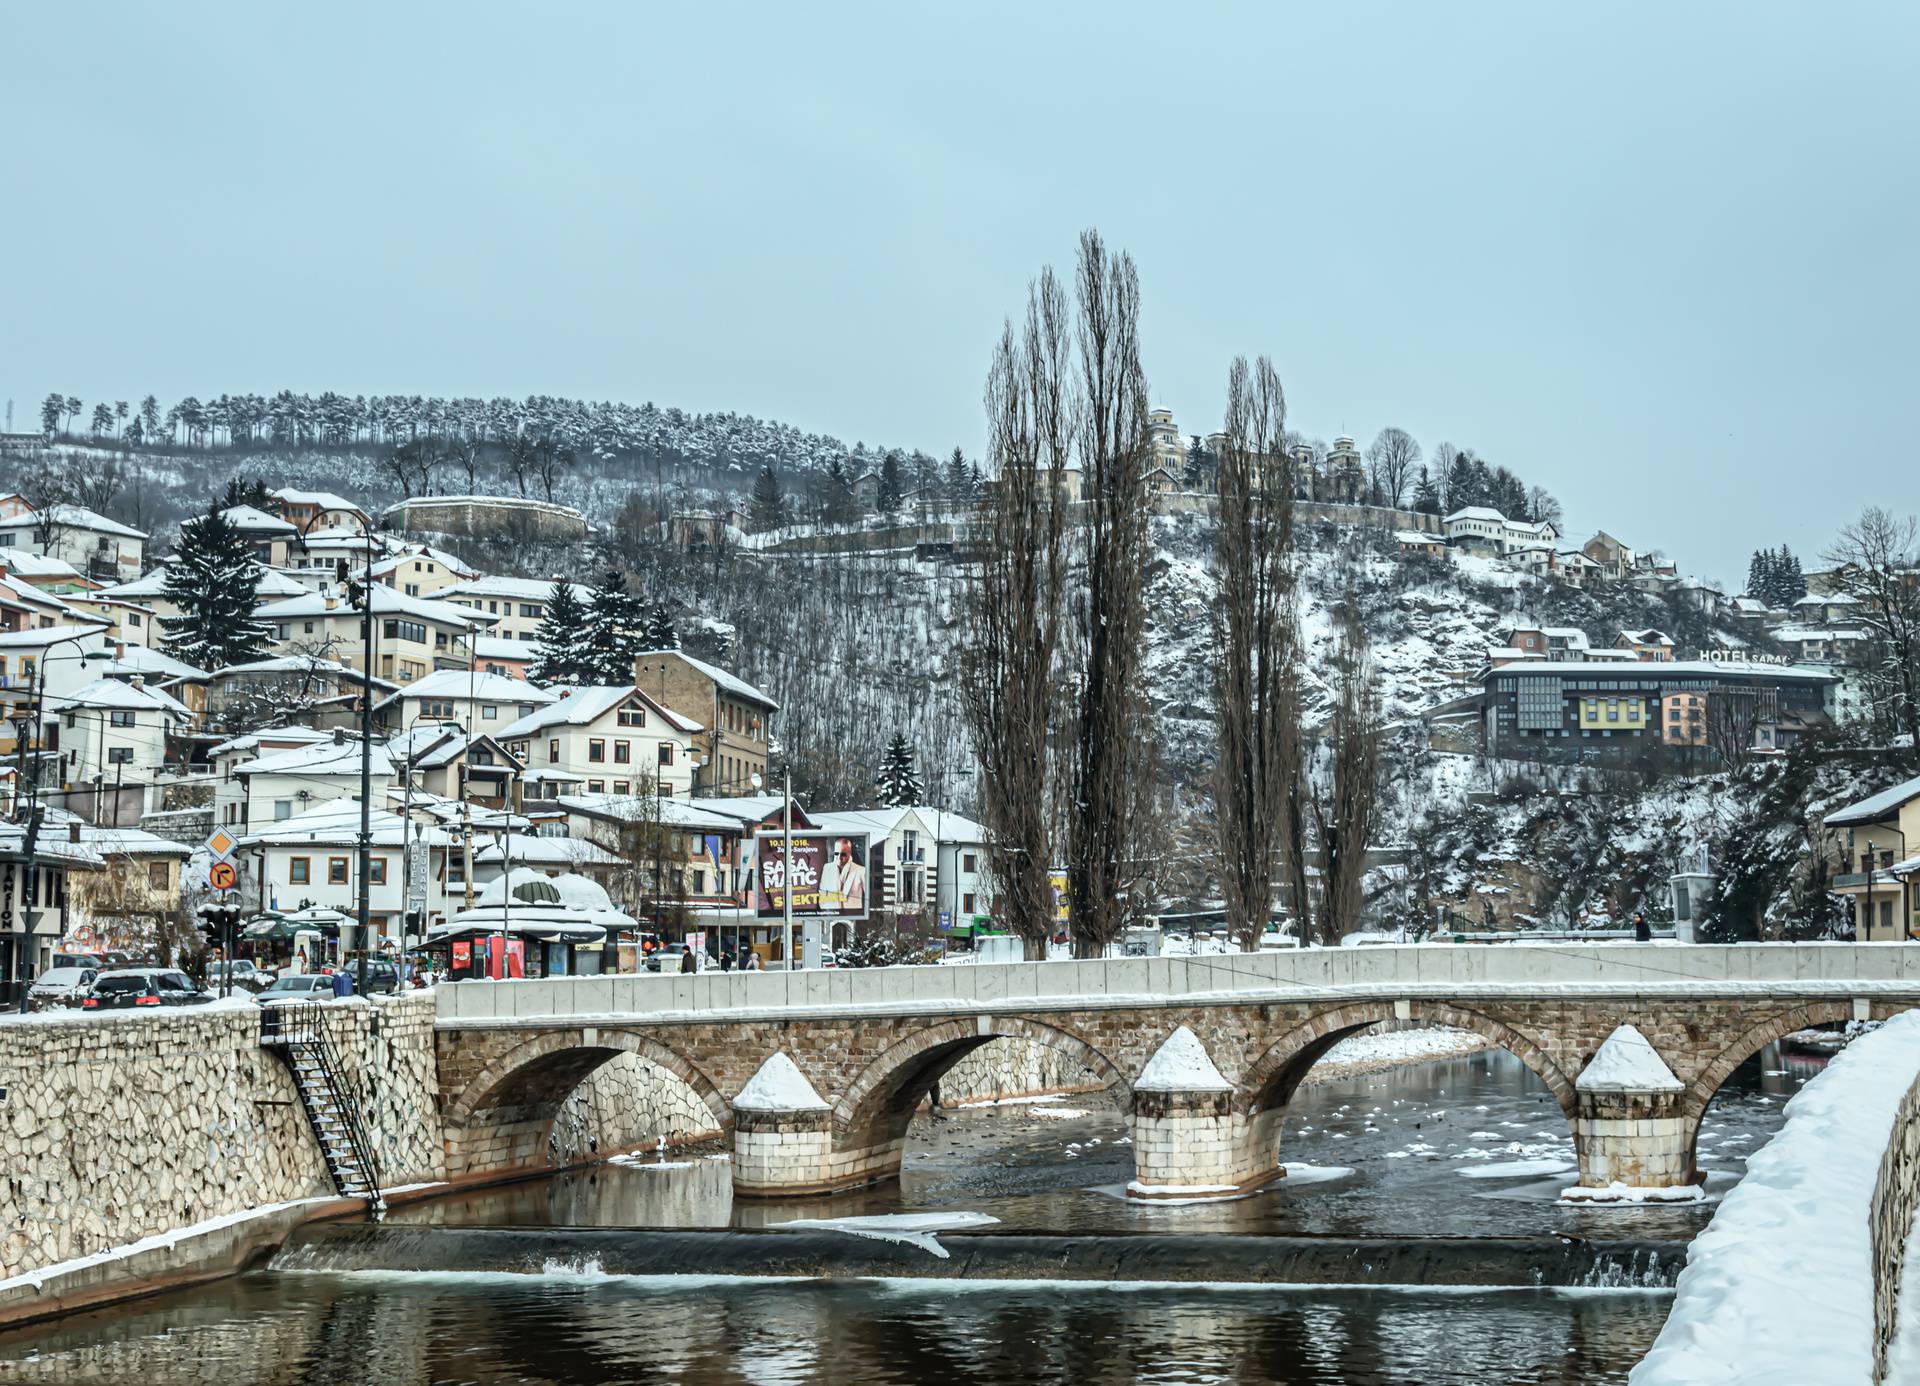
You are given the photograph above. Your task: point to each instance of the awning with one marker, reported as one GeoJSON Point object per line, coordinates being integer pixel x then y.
{"type": "Point", "coordinates": [540, 930]}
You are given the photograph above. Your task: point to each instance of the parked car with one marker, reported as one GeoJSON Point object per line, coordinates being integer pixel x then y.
{"type": "Point", "coordinates": [143, 986]}
{"type": "Point", "coordinates": [246, 976]}
{"type": "Point", "coordinates": [383, 978]}
{"type": "Point", "coordinates": [296, 986]}
{"type": "Point", "coordinates": [60, 986]}
{"type": "Point", "coordinates": [666, 958]}
{"type": "Point", "coordinates": [66, 959]}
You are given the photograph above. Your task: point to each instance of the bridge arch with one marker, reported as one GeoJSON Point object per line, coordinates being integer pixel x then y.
{"type": "Point", "coordinates": [878, 1105]}
{"type": "Point", "coordinates": [1757, 1036]}
{"type": "Point", "coordinates": [1271, 1080]}
{"type": "Point", "coordinates": [500, 1120]}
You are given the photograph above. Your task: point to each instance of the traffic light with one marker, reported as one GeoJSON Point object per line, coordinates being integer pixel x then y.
{"type": "Point", "coordinates": [217, 921]}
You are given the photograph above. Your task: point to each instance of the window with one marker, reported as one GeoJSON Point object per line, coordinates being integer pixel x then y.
{"type": "Point", "coordinates": [970, 864]}
{"type": "Point", "coordinates": [699, 882]}
{"type": "Point", "coordinates": [530, 611]}
{"type": "Point", "coordinates": [966, 903]}
{"type": "Point", "coordinates": [120, 755]}
{"type": "Point", "coordinates": [299, 871]}
{"type": "Point", "coordinates": [623, 787]}
{"type": "Point", "coordinates": [666, 753]}
{"type": "Point", "coordinates": [596, 750]}
{"type": "Point", "coordinates": [120, 717]}
{"type": "Point", "coordinates": [623, 753]}
{"type": "Point", "coordinates": [377, 871]}
{"type": "Point", "coordinates": [337, 873]}
{"type": "Point", "coordinates": [306, 628]}
{"type": "Point", "coordinates": [553, 751]}
{"type": "Point", "coordinates": [415, 631]}
{"type": "Point", "coordinates": [633, 717]}
{"type": "Point", "coordinates": [157, 875]}
{"type": "Point", "coordinates": [596, 786]}
{"type": "Point", "coordinates": [489, 713]}
{"type": "Point", "coordinates": [456, 869]}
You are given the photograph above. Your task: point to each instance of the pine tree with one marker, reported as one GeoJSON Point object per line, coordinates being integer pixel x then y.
{"type": "Point", "coordinates": [150, 417]}
{"type": "Point", "coordinates": [1462, 490]}
{"type": "Point", "coordinates": [1792, 582]}
{"type": "Point", "coordinates": [1426, 497]}
{"type": "Point", "coordinates": [212, 579]}
{"type": "Point", "coordinates": [768, 509]}
{"type": "Point", "coordinates": [614, 632]}
{"type": "Point", "coordinates": [660, 634]}
{"type": "Point", "coordinates": [560, 638]}
{"type": "Point", "coordinates": [891, 487]}
{"type": "Point", "coordinates": [899, 781]}
{"type": "Point", "coordinates": [958, 485]}
{"type": "Point", "coordinates": [51, 408]}
{"type": "Point", "coordinates": [1757, 575]}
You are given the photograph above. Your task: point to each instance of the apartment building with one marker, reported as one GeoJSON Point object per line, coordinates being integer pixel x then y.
{"type": "Point", "coordinates": [515, 606]}
{"type": "Point", "coordinates": [412, 635]}
{"type": "Point", "coordinates": [470, 699]}
{"type": "Point", "coordinates": [605, 740]}
{"type": "Point", "coordinates": [733, 717]}
{"type": "Point", "coordinates": [1875, 845]}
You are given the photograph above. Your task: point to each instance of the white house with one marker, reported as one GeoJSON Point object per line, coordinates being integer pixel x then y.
{"type": "Point", "coordinates": [318, 510]}
{"type": "Point", "coordinates": [271, 537]}
{"type": "Point", "coordinates": [113, 745]}
{"type": "Point", "coordinates": [412, 635]}
{"type": "Point", "coordinates": [312, 858]}
{"type": "Point", "coordinates": [103, 549]}
{"type": "Point", "coordinates": [281, 784]}
{"type": "Point", "coordinates": [467, 698]}
{"type": "Point", "coordinates": [612, 740]}
{"type": "Point", "coordinates": [421, 571]}
{"type": "Point", "coordinates": [1482, 527]}
{"type": "Point", "coordinates": [150, 592]}
{"type": "Point", "coordinates": [920, 861]}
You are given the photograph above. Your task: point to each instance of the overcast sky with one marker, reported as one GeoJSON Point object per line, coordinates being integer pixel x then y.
{"type": "Point", "coordinates": [1660, 259]}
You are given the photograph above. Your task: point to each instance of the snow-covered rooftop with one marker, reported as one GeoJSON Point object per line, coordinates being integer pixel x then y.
{"type": "Point", "coordinates": [119, 695]}
{"type": "Point", "coordinates": [329, 757]}
{"type": "Point", "coordinates": [579, 706]}
{"type": "Point", "coordinates": [460, 685]}
{"type": "Point", "coordinates": [732, 683]}
{"type": "Point", "coordinates": [252, 520]}
{"type": "Point", "coordinates": [1872, 809]}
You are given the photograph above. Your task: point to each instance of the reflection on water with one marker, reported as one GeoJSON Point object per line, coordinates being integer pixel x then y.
{"type": "Point", "coordinates": [1407, 1134]}
{"type": "Point", "coordinates": [304, 1330]}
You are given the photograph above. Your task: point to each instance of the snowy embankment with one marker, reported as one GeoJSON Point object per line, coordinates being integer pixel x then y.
{"type": "Point", "coordinates": [1383, 1049]}
{"type": "Point", "coordinates": [1782, 1285]}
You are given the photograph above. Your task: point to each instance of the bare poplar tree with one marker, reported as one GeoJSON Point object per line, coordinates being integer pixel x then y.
{"type": "Point", "coordinates": [1344, 800]}
{"type": "Point", "coordinates": [1879, 556]}
{"type": "Point", "coordinates": [1113, 722]}
{"type": "Point", "coordinates": [1256, 650]}
{"type": "Point", "coordinates": [1013, 619]}
{"type": "Point", "coordinates": [1392, 460]}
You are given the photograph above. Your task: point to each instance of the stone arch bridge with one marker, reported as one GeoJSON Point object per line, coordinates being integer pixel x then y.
{"type": "Point", "coordinates": [866, 1046]}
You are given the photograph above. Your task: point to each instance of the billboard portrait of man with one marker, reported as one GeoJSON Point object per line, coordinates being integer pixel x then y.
{"type": "Point", "coordinates": [843, 884]}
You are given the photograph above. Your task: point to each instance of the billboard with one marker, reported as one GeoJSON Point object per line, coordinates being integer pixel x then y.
{"type": "Point", "coordinates": [829, 875]}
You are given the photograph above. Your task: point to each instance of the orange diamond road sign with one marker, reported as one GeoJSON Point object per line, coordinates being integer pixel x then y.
{"type": "Point", "coordinates": [221, 876]}
{"type": "Point", "coordinates": [221, 844]}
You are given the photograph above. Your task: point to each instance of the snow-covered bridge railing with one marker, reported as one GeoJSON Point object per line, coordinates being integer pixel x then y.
{"type": "Point", "coordinates": [1798, 1277]}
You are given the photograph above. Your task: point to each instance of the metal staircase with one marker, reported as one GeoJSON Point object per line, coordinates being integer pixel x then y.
{"type": "Point", "coordinates": [295, 1031]}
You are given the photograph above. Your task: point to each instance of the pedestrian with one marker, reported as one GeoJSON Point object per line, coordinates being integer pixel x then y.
{"type": "Point", "coordinates": [342, 983]}
{"type": "Point", "coordinates": [726, 960]}
{"type": "Point", "coordinates": [753, 962]}
{"type": "Point", "coordinates": [300, 961]}
{"type": "Point", "coordinates": [1641, 933]}
{"type": "Point", "coordinates": [688, 963]}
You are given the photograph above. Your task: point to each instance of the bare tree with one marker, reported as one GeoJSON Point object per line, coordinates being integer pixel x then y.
{"type": "Point", "coordinates": [1344, 799]}
{"type": "Point", "coordinates": [1541, 506]}
{"type": "Point", "coordinates": [1734, 719]}
{"type": "Point", "coordinates": [1256, 650]}
{"type": "Point", "coordinates": [1878, 556]}
{"type": "Point", "coordinates": [1112, 723]}
{"type": "Point", "coordinates": [1013, 619]}
{"type": "Point", "coordinates": [1392, 460]}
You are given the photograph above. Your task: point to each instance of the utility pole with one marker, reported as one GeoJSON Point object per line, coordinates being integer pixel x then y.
{"type": "Point", "coordinates": [364, 924]}
{"type": "Point", "coordinates": [786, 893]}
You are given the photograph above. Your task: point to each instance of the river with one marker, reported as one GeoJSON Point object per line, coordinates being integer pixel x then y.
{"type": "Point", "coordinates": [1464, 1148]}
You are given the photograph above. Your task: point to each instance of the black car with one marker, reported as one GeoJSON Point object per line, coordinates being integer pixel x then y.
{"type": "Point", "coordinates": [143, 986]}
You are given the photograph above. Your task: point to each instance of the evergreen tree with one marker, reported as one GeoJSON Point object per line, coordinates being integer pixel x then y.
{"type": "Point", "coordinates": [51, 408]}
{"type": "Point", "coordinates": [768, 509]}
{"type": "Point", "coordinates": [958, 484]}
{"type": "Point", "coordinates": [660, 634]}
{"type": "Point", "coordinates": [1462, 490]}
{"type": "Point", "coordinates": [615, 629]}
{"type": "Point", "coordinates": [975, 482]}
{"type": "Point", "coordinates": [212, 579]}
{"type": "Point", "coordinates": [899, 781]}
{"type": "Point", "coordinates": [150, 417]}
{"type": "Point", "coordinates": [561, 639]}
{"type": "Point", "coordinates": [1759, 581]}
{"type": "Point", "coordinates": [1196, 477]}
{"type": "Point", "coordinates": [891, 486]}
{"type": "Point", "coordinates": [1792, 583]}
{"type": "Point", "coordinates": [1426, 496]}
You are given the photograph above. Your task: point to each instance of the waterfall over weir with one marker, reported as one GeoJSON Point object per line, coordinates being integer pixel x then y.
{"type": "Point", "coordinates": [821, 1253]}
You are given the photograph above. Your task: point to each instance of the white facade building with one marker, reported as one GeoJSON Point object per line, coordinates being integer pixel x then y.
{"type": "Point", "coordinates": [605, 740]}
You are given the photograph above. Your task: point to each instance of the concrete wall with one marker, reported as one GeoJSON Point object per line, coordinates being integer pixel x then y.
{"type": "Point", "coordinates": [118, 1127]}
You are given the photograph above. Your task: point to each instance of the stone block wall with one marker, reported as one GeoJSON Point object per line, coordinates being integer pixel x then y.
{"type": "Point", "coordinates": [627, 1104]}
{"type": "Point", "coordinates": [1017, 1067]}
{"type": "Point", "coordinates": [121, 1126]}
{"type": "Point", "coordinates": [1896, 1193]}
{"type": "Point", "coordinates": [1638, 1139]}
{"type": "Point", "coordinates": [782, 1152]}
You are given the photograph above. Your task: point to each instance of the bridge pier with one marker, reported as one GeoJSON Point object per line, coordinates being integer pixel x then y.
{"type": "Point", "coordinates": [1629, 1129]}
{"type": "Point", "coordinates": [1189, 1137]}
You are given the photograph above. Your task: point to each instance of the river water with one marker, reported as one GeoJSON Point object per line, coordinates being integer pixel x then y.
{"type": "Point", "coordinates": [1468, 1147]}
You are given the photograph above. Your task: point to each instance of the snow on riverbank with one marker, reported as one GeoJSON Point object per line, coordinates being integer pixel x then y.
{"type": "Point", "coordinates": [1378, 1050]}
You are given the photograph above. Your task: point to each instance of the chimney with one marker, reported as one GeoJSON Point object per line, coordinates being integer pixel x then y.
{"type": "Point", "coordinates": [119, 650]}
{"type": "Point", "coordinates": [73, 831]}
{"type": "Point", "coordinates": [138, 680]}
{"type": "Point", "coordinates": [339, 736]}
